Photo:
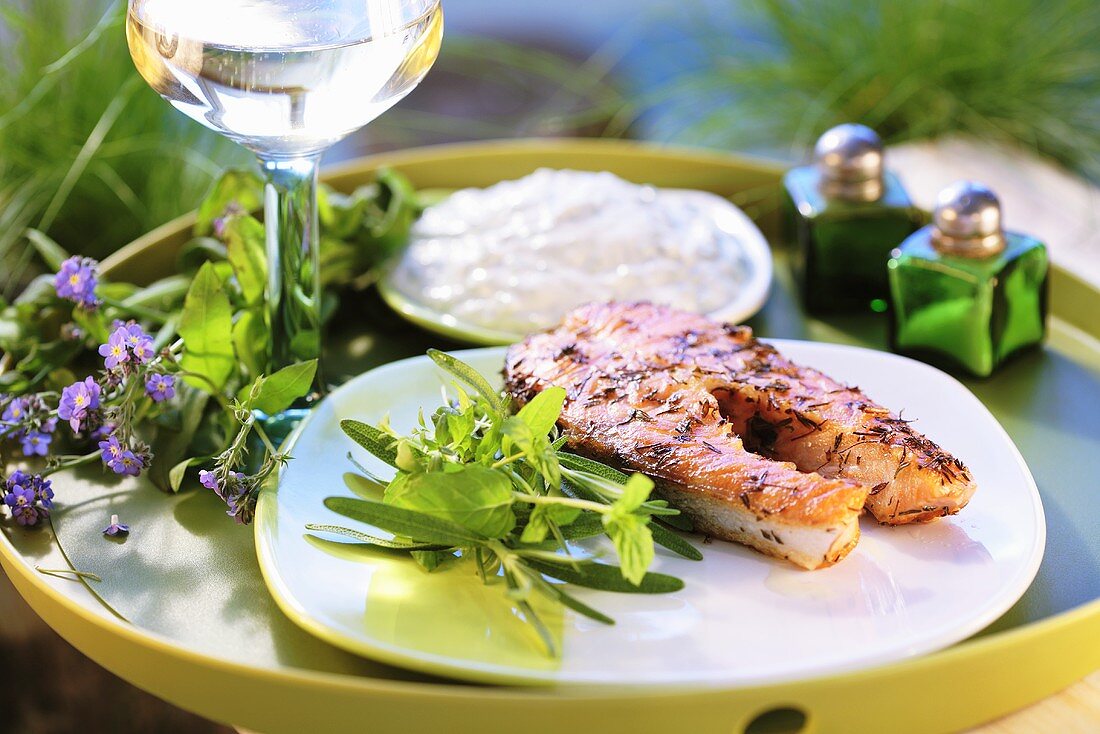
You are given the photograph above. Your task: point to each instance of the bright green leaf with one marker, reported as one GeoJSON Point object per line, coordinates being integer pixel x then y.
{"type": "Point", "coordinates": [542, 412]}
{"type": "Point", "coordinates": [251, 340]}
{"type": "Point", "coordinates": [467, 374]}
{"type": "Point", "coordinates": [474, 497]}
{"type": "Point", "coordinates": [206, 326]}
{"type": "Point", "coordinates": [244, 242]}
{"type": "Point", "coordinates": [279, 391]}
{"type": "Point", "coordinates": [377, 442]}
{"type": "Point", "coordinates": [407, 523]}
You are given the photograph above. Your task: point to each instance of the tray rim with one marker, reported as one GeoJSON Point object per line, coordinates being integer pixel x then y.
{"type": "Point", "coordinates": [129, 650]}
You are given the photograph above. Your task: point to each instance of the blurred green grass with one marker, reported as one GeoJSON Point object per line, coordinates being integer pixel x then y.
{"type": "Point", "coordinates": [776, 73]}
{"type": "Point", "coordinates": [88, 153]}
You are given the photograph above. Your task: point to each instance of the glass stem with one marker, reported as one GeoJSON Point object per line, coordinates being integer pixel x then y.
{"type": "Point", "coordinates": [293, 261]}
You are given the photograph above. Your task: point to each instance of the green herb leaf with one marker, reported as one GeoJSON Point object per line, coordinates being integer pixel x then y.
{"type": "Point", "coordinates": [378, 443]}
{"type": "Point", "coordinates": [279, 391]}
{"type": "Point", "coordinates": [605, 577]}
{"type": "Point", "coordinates": [554, 591]}
{"type": "Point", "coordinates": [408, 523]}
{"type": "Point", "coordinates": [469, 375]}
{"type": "Point", "coordinates": [251, 340]}
{"type": "Point", "coordinates": [538, 522]}
{"type": "Point", "coordinates": [580, 463]}
{"type": "Point", "coordinates": [587, 525]}
{"type": "Point", "coordinates": [542, 412]}
{"type": "Point", "coordinates": [666, 538]}
{"type": "Point", "coordinates": [206, 326]}
{"type": "Point", "coordinates": [633, 543]}
{"type": "Point", "coordinates": [393, 543]}
{"type": "Point", "coordinates": [244, 241]}
{"type": "Point", "coordinates": [473, 496]}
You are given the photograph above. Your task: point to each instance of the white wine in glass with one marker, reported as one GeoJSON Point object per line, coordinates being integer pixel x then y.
{"type": "Point", "coordinates": [286, 79]}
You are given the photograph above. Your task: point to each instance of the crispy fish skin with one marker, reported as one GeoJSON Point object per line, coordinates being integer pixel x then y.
{"type": "Point", "coordinates": [793, 413]}
{"type": "Point", "coordinates": [640, 396]}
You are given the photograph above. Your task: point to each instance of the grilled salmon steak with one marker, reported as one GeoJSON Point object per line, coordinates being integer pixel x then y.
{"type": "Point", "coordinates": [753, 448]}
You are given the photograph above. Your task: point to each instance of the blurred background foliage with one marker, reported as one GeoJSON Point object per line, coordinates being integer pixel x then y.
{"type": "Point", "coordinates": [93, 157]}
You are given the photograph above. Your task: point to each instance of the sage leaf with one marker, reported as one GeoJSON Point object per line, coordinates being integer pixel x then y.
{"type": "Point", "coordinates": [469, 375]}
{"type": "Point", "coordinates": [279, 391]}
{"type": "Point", "coordinates": [604, 577]}
{"type": "Point", "coordinates": [378, 443]}
{"type": "Point", "coordinates": [206, 326]}
{"type": "Point", "coordinates": [582, 464]}
{"type": "Point", "coordinates": [475, 497]}
{"type": "Point", "coordinates": [408, 523]}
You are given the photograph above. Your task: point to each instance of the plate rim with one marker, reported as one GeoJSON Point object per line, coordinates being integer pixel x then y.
{"type": "Point", "coordinates": [267, 513]}
{"type": "Point", "coordinates": [751, 298]}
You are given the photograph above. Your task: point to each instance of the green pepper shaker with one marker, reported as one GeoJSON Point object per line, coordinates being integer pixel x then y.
{"type": "Point", "coordinates": [964, 292]}
{"type": "Point", "coordinates": [844, 214]}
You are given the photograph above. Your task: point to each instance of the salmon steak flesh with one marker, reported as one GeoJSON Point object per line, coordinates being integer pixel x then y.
{"type": "Point", "coordinates": [752, 447]}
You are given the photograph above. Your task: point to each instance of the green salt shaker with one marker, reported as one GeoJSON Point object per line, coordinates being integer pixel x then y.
{"type": "Point", "coordinates": [965, 293]}
{"type": "Point", "coordinates": [844, 214]}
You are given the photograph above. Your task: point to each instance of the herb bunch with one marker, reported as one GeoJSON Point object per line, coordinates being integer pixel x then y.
{"type": "Point", "coordinates": [479, 480]}
{"type": "Point", "coordinates": [166, 378]}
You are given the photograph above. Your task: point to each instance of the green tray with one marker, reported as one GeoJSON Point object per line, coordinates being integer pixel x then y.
{"type": "Point", "coordinates": [203, 634]}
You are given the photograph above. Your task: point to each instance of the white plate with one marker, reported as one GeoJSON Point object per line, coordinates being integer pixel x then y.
{"type": "Point", "coordinates": [748, 298]}
{"type": "Point", "coordinates": [742, 618]}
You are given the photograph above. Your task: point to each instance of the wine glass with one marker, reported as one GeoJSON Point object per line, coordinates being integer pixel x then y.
{"type": "Point", "coordinates": [286, 79]}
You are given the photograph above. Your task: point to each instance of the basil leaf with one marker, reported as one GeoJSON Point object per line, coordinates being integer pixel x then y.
{"type": "Point", "coordinates": [408, 523]}
{"type": "Point", "coordinates": [372, 540]}
{"type": "Point", "coordinates": [379, 444]}
{"type": "Point", "coordinates": [469, 375]}
{"type": "Point", "coordinates": [475, 497]}
{"type": "Point", "coordinates": [206, 326]}
{"type": "Point", "coordinates": [605, 577]}
{"type": "Point", "coordinates": [542, 412]}
{"type": "Point", "coordinates": [279, 391]}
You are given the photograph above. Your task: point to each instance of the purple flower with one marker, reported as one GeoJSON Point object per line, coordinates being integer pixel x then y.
{"type": "Point", "coordinates": [35, 443]}
{"type": "Point", "coordinates": [139, 343]}
{"type": "Point", "coordinates": [16, 410]}
{"type": "Point", "coordinates": [76, 400]}
{"type": "Point", "coordinates": [21, 501]}
{"type": "Point", "coordinates": [77, 280]}
{"type": "Point", "coordinates": [160, 387]}
{"type": "Point", "coordinates": [43, 490]}
{"type": "Point", "coordinates": [120, 459]}
{"type": "Point", "coordinates": [115, 351]}
{"type": "Point", "coordinates": [112, 450]}
{"type": "Point", "coordinates": [209, 480]}
{"type": "Point", "coordinates": [116, 528]}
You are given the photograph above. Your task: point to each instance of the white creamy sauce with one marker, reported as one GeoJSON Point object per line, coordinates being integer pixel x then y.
{"type": "Point", "coordinates": [517, 255]}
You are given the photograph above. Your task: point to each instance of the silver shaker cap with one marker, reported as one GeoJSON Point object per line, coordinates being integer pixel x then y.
{"type": "Point", "coordinates": [849, 159]}
{"type": "Point", "coordinates": [967, 221]}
